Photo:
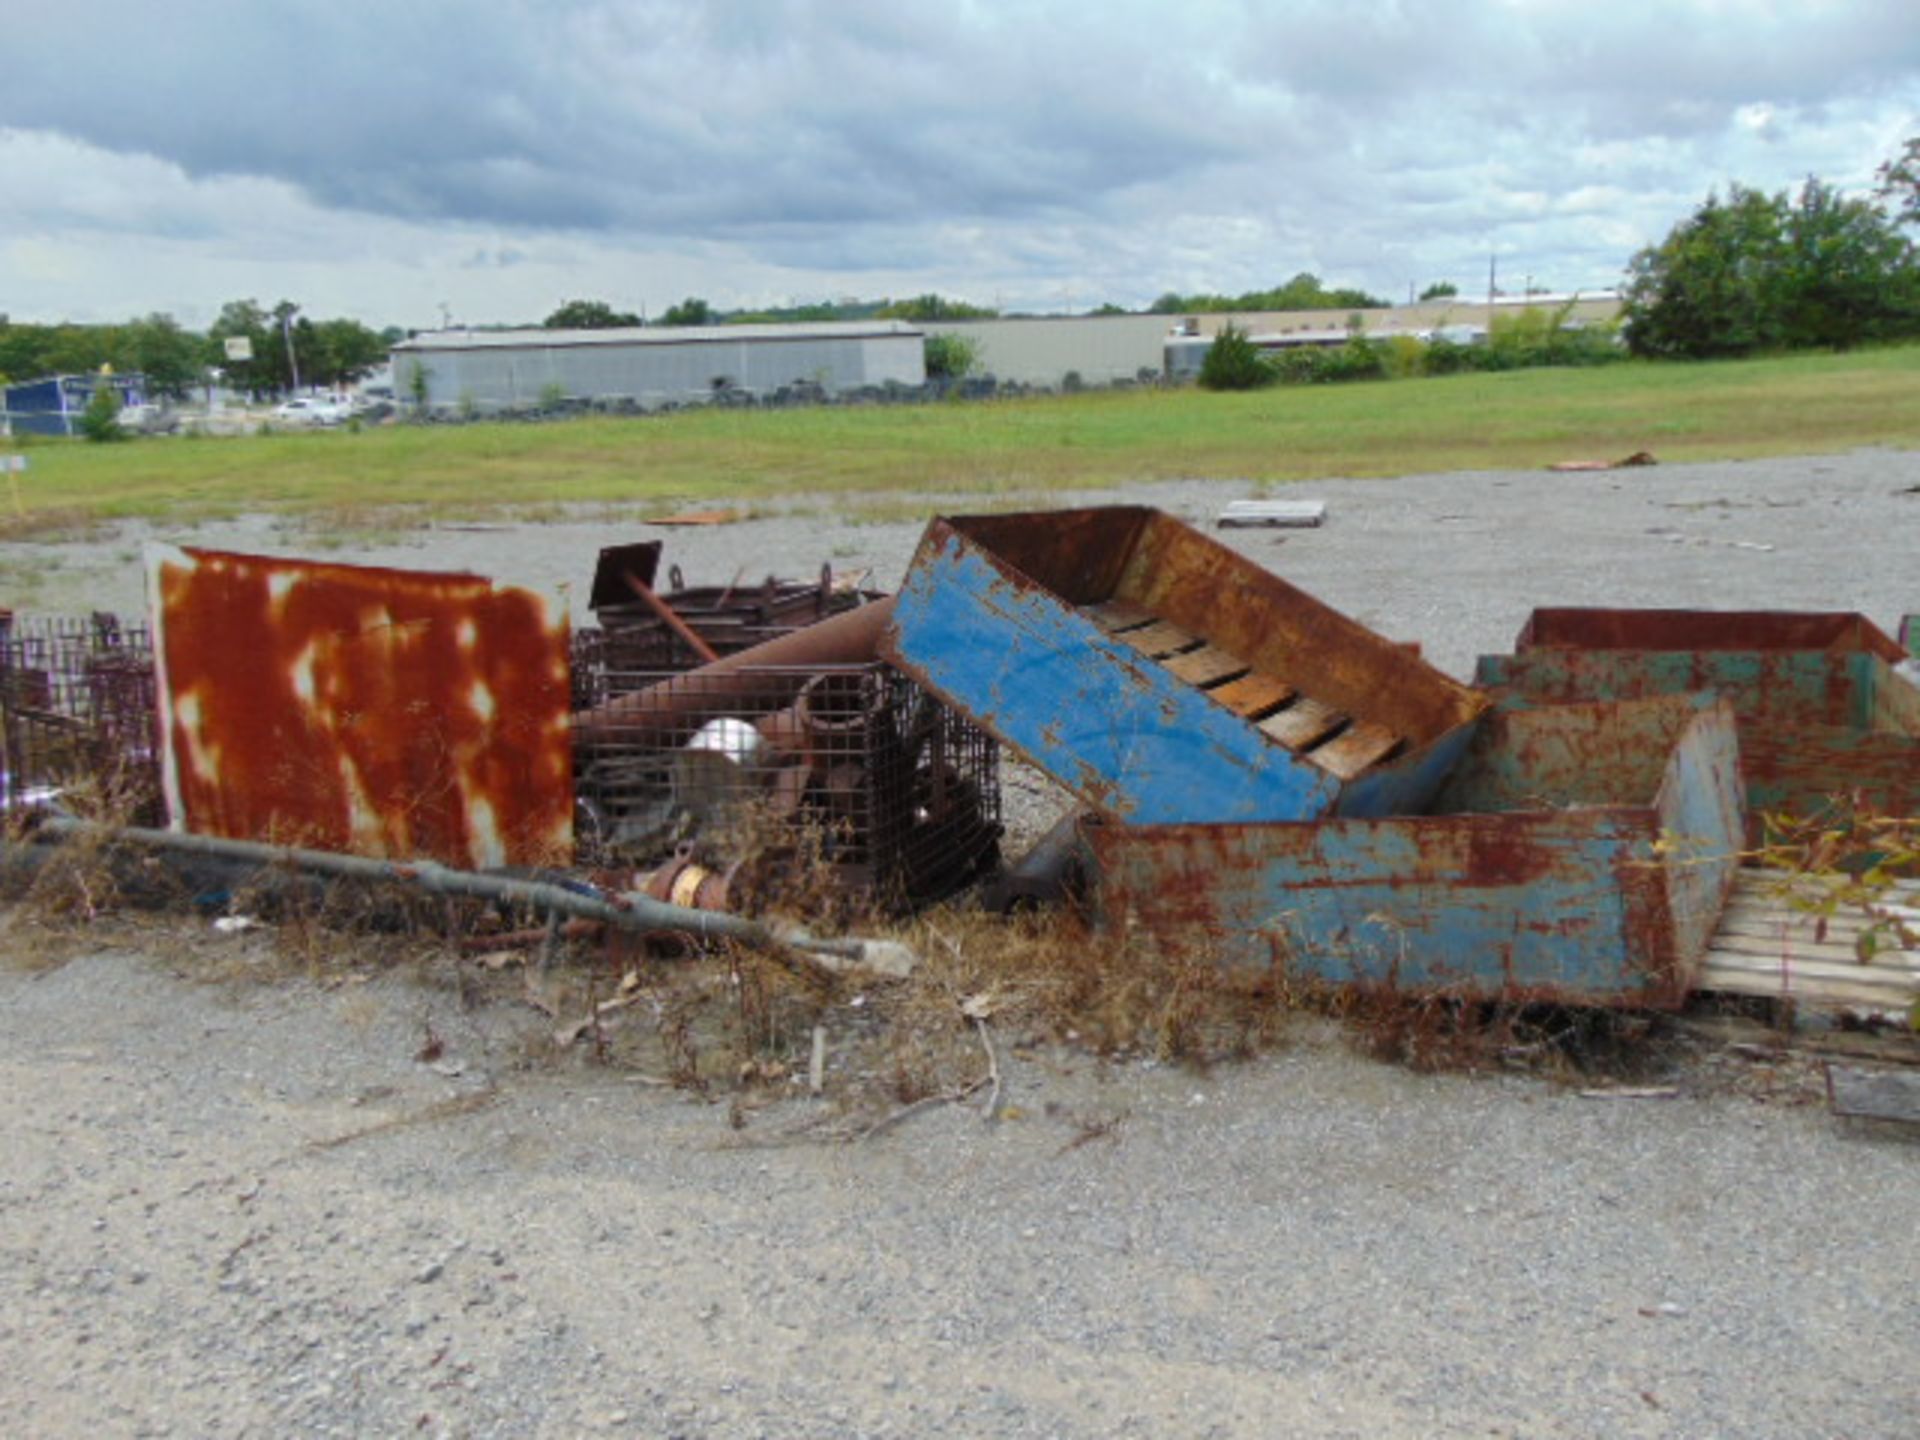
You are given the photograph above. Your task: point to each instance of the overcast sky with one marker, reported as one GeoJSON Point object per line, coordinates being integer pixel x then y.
{"type": "Point", "coordinates": [496, 157]}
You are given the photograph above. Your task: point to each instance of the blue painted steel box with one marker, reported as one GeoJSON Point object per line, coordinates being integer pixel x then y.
{"type": "Point", "coordinates": [1161, 677]}
{"type": "Point", "coordinates": [1822, 712]}
{"type": "Point", "coordinates": [1579, 854]}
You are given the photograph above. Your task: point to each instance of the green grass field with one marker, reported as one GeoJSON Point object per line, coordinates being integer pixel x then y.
{"type": "Point", "coordinates": [1522, 419]}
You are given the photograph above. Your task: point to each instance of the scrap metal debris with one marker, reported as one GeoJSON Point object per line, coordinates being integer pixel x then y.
{"type": "Point", "coordinates": [1262, 782]}
{"type": "Point", "coordinates": [1628, 462]}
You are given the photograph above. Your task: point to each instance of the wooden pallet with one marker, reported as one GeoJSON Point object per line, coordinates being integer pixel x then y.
{"type": "Point", "coordinates": [1772, 943]}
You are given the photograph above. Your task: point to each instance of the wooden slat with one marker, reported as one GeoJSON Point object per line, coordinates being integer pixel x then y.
{"type": "Point", "coordinates": [1253, 695]}
{"type": "Point", "coordinates": [1776, 885]}
{"type": "Point", "coordinates": [1207, 666]}
{"type": "Point", "coordinates": [1892, 977]}
{"type": "Point", "coordinates": [1302, 723]}
{"type": "Point", "coordinates": [1162, 638]}
{"type": "Point", "coordinates": [1354, 749]}
{"type": "Point", "coordinates": [1831, 994]}
{"type": "Point", "coordinates": [1839, 940]}
{"type": "Point", "coordinates": [1112, 615]}
{"type": "Point", "coordinates": [1772, 947]}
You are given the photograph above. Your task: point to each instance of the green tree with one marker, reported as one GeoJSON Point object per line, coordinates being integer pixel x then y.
{"type": "Point", "coordinates": [243, 320]}
{"type": "Point", "coordinates": [923, 308]}
{"type": "Point", "coordinates": [1303, 292]}
{"type": "Point", "coordinates": [1440, 290]}
{"type": "Point", "coordinates": [1900, 183]}
{"type": "Point", "coordinates": [690, 311]}
{"type": "Point", "coordinates": [173, 360]}
{"type": "Point", "coordinates": [1764, 272]}
{"type": "Point", "coordinates": [589, 315]}
{"type": "Point", "coordinates": [341, 352]}
{"type": "Point", "coordinates": [1234, 362]}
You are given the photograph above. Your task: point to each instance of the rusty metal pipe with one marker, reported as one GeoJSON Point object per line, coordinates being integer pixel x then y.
{"type": "Point", "coordinates": [629, 911]}
{"type": "Point", "coordinates": [667, 613]}
{"type": "Point", "coordinates": [660, 712]}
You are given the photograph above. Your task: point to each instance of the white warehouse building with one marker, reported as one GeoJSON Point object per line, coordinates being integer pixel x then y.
{"type": "Point", "coordinates": [487, 370]}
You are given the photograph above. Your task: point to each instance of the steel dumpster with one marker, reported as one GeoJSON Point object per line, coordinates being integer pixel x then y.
{"type": "Point", "coordinates": [1161, 677]}
{"type": "Point", "coordinates": [1578, 854]}
{"type": "Point", "coordinates": [1822, 711]}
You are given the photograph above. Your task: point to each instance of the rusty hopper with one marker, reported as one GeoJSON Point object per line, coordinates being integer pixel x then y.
{"type": "Point", "coordinates": [1163, 678]}
{"type": "Point", "coordinates": [1578, 854]}
{"type": "Point", "coordinates": [1822, 711]}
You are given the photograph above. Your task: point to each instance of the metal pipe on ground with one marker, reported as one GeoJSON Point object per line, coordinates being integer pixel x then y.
{"type": "Point", "coordinates": [661, 712]}
{"type": "Point", "coordinates": [631, 912]}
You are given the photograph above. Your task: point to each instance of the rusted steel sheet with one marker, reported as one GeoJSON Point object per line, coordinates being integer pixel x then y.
{"type": "Point", "coordinates": [388, 713]}
{"type": "Point", "coordinates": [1584, 856]}
{"type": "Point", "coordinates": [1822, 712]}
{"type": "Point", "coordinates": [1839, 632]}
{"type": "Point", "coordinates": [1063, 634]}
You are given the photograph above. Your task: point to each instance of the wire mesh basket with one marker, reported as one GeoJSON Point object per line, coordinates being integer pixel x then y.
{"type": "Point", "coordinates": [77, 714]}
{"type": "Point", "coordinates": [852, 766]}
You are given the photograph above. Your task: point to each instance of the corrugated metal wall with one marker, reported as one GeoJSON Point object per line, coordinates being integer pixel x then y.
{"type": "Point", "coordinates": [656, 373]}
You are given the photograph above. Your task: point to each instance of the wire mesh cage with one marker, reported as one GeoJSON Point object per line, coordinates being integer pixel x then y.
{"type": "Point", "coordinates": [632, 642]}
{"type": "Point", "coordinates": [77, 714]}
{"type": "Point", "coordinates": [853, 766]}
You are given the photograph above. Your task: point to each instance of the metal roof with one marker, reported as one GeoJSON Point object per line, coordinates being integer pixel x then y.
{"type": "Point", "coordinates": [539, 339]}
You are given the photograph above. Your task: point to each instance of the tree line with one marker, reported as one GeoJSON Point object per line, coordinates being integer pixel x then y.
{"type": "Point", "coordinates": [177, 361]}
{"type": "Point", "coordinates": [1302, 292]}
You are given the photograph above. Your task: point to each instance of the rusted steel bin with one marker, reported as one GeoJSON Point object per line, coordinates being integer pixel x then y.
{"type": "Point", "coordinates": [1161, 677]}
{"type": "Point", "coordinates": [1578, 854]}
{"type": "Point", "coordinates": [1822, 711]}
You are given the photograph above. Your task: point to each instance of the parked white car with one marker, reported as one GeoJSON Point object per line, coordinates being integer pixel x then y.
{"type": "Point", "coordinates": [311, 410]}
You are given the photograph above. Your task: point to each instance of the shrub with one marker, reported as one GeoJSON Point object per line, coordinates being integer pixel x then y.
{"type": "Point", "coordinates": [100, 421]}
{"type": "Point", "coordinates": [951, 357]}
{"type": "Point", "coordinates": [1403, 357]}
{"type": "Point", "coordinates": [1450, 357]}
{"type": "Point", "coordinates": [1234, 362]}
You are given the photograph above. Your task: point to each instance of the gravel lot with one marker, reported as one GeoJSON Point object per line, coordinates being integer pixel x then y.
{"type": "Point", "coordinates": [241, 1206]}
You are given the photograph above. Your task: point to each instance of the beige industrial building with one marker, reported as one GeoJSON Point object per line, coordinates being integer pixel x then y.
{"type": "Point", "coordinates": [1101, 349]}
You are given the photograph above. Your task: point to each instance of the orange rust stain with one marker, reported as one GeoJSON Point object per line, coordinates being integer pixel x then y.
{"type": "Point", "coordinates": [384, 712]}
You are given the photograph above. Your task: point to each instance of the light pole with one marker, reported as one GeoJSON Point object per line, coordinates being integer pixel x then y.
{"type": "Point", "coordinates": [286, 333]}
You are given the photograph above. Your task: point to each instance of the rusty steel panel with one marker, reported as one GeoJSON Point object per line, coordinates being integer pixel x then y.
{"type": "Point", "coordinates": [1838, 632]}
{"type": "Point", "coordinates": [389, 713]}
{"type": "Point", "coordinates": [1823, 715]}
{"type": "Point", "coordinates": [1064, 634]}
{"type": "Point", "coordinates": [1584, 856]}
